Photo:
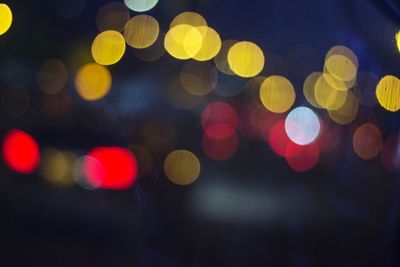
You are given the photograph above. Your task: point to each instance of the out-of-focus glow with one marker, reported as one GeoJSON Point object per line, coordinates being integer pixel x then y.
{"type": "Point", "coordinates": [108, 47]}
{"type": "Point", "coordinates": [182, 99]}
{"type": "Point", "coordinates": [388, 93]}
{"type": "Point", "coordinates": [309, 88]}
{"type": "Point", "coordinates": [199, 78]}
{"type": "Point", "coordinates": [277, 94]}
{"type": "Point", "coordinates": [252, 91]}
{"type": "Point", "coordinates": [20, 151]}
{"type": "Point", "coordinates": [305, 158]}
{"type": "Point", "coordinates": [52, 76]}
{"type": "Point", "coordinates": [398, 40]}
{"type": "Point", "coordinates": [246, 59]}
{"type": "Point", "coordinates": [113, 168]}
{"type": "Point", "coordinates": [6, 18]}
{"type": "Point", "coordinates": [15, 100]}
{"type": "Point", "coordinates": [210, 46]}
{"type": "Point", "coordinates": [182, 167]}
{"type": "Point", "coordinates": [183, 41]}
{"type": "Point", "coordinates": [302, 126]}
{"type": "Point", "coordinates": [327, 96]}
{"type": "Point", "coordinates": [112, 16]}
{"type": "Point", "coordinates": [220, 149]}
{"type": "Point", "coordinates": [262, 121]}
{"type": "Point", "coordinates": [221, 59]}
{"type": "Point", "coordinates": [346, 113]}
{"type": "Point", "coordinates": [93, 82]}
{"type": "Point", "coordinates": [219, 120]}
{"type": "Point", "coordinates": [154, 52]}
{"type": "Point", "coordinates": [341, 63]}
{"type": "Point", "coordinates": [57, 166]}
{"type": "Point", "coordinates": [141, 31]}
{"type": "Point", "coordinates": [140, 5]}
{"type": "Point", "coordinates": [190, 18]}
{"type": "Point", "coordinates": [367, 141]}
{"type": "Point", "coordinates": [279, 141]}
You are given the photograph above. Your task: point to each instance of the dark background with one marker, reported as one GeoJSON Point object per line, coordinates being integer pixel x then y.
{"type": "Point", "coordinates": [251, 210]}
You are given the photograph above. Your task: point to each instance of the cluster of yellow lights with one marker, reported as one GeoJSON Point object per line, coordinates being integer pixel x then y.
{"type": "Point", "coordinates": [190, 37]}
{"type": "Point", "coordinates": [6, 18]}
{"type": "Point", "coordinates": [332, 89]}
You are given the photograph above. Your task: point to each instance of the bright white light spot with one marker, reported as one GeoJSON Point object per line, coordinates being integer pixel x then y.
{"type": "Point", "coordinates": [302, 126]}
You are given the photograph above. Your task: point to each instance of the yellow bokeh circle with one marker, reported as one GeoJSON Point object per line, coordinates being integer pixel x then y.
{"type": "Point", "coordinates": [211, 44]}
{"type": "Point", "coordinates": [6, 18]}
{"type": "Point", "coordinates": [182, 167]}
{"type": "Point", "coordinates": [277, 94]}
{"type": "Point", "coordinates": [327, 96]}
{"type": "Point", "coordinates": [246, 59]}
{"type": "Point", "coordinates": [388, 93]}
{"type": "Point", "coordinates": [183, 41]}
{"type": "Point", "coordinates": [93, 82]}
{"type": "Point", "coordinates": [141, 31]}
{"type": "Point", "coordinates": [108, 47]}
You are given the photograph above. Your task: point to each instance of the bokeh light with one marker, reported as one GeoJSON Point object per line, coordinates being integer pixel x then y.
{"type": "Point", "coordinates": [199, 78]}
{"type": "Point", "coordinates": [112, 16]}
{"type": "Point", "coordinates": [305, 158]}
{"type": "Point", "coordinates": [277, 94]}
{"type": "Point", "coordinates": [57, 166]}
{"type": "Point", "coordinates": [183, 41]}
{"type": "Point", "coordinates": [140, 5]}
{"type": "Point", "coordinates": [309, 88]}
{"type": "Point", "coordinates": [346, 113]}
{"type": "Point", "coordinates": [6, 18]}
{"type": "Point", "coordinates": [93, 82]}
{"type": "Point", "coordinates": [341, 63]}
{"type": "Point", "coordinates": [246, 59]}
{"type": "Point", "coordinates": [367, 141]}
{"type": "Point", "coordinates": [108, 47]}
{"type": "Point", "coordinates": [398, 40]}
{"type": "Point", "coordinates": [219, 120]}
{"type": "Point", "coordinates": [20, 151]}
{"type": "Point", "coordinates": [220, 149]}
{"type": "Point", "coordinates": [141, 31]}
{"type": "Point", "coordinates": [302, 126]}
{"type": "Point", "coordinates": [211, 44]}
{"type": "Point", "coordinates": [327, 96]}
{"type": "Point", "coordinates": [221, 59]}
{"type": "Point", "coordinates": [189, 18]}
{"type": "Point", "coordinates": [388, 93]}
{"type": "Point", "coordinates": [154, 52]}
{"type": "Point", "coordinates": [182, 167]}
{"type": "Point", "coordinates": [113, 168]}
{"type": "Point", "coordinates": [52, 76]}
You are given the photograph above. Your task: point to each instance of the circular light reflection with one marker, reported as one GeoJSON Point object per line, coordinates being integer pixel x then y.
{"type": "Point", "coordinates": [182, 167]}
{"type": "Point", "coordinates": [302, 126]}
